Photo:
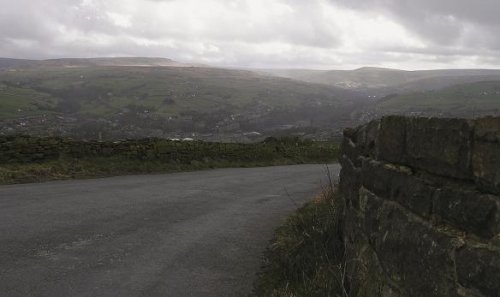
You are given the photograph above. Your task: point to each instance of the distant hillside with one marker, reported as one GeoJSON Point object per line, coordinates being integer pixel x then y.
{"type": "Point", "coordinates": [350, 79]}
{"type": "Point", "coordinates": [385, 81]}
{"type": "Point", "coordinates": [156, 97]}
{"type": "Point", "coordinates": [7, 64]}
{"type": "Point", "coordinates": [161, 101]}
{"type": "Point", "coordinates": [464, 100]}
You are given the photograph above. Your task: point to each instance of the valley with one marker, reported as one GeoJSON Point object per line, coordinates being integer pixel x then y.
{"type": "Point", "coordinates": [131, 98]}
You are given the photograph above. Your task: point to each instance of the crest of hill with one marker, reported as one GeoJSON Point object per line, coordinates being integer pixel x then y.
{"type": "Point", "coordinates": [386, 80]}
{"type": "Point", "coordinates": [168, 91]}
{"type": "Point", "coordinates": [464, 100]}
{"type": "Point", "coordinates": [6, 63]}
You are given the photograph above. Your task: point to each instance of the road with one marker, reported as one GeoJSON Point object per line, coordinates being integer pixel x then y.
{"type": "Point", "coordinates": [183, 234]}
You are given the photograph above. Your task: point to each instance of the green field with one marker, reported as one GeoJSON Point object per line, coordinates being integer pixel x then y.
{"type": "Point", "coordinates": [88, 101]}
{"type": "Point", "coordinates": [165, 91]}
{"type": "Point", "coordinates": [464, 99]}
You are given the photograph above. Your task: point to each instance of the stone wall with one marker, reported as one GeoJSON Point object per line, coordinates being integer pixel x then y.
{"type": "Point", "coordinates": [27, 149]}
{"type": "Point", "coordinates": [422, 215]}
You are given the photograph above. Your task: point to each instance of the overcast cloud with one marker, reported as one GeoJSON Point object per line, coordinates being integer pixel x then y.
{"type": "Point", "coordinates": [340, 34]}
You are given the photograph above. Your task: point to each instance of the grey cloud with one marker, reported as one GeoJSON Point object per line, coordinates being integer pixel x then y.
{"type": "Point", "coordinates": [42, 22]}
{"type": "Point", "coordinates": [481, 11]}
{"type": "Point", "coordinates": [439, 21]}
{"type": "Point", "coordinates": [302, 35]}
{"type": "Point", "coordinates": [301, 27]}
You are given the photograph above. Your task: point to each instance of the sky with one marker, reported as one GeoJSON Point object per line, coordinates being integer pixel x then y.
{"type": "Point", "coordinates": [316, 34]}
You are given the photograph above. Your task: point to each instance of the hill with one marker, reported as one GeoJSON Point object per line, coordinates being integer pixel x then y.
{"type": "Point", "coordinates": [117, 98]}
{"type": "Point", "coordinates": [383, 81]}
{"type": "Point", "coordinates": [137, 101]}
{"type": "Point", "coordinates": [7, 63]}
{"type": "Point", "coordinates": [467, 100]}
{"type": "Point", "coordinates": [19, 64]}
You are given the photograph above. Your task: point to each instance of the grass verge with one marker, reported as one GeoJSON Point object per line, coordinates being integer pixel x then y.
{"type": "Point", "coordinates": [112, 166]}
{"type": "Point", "coordinates": [306, 255]}
{"type": "Point", "coordinates": [30, 159]}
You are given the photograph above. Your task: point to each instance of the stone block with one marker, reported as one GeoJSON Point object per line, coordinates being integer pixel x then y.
{"type": "Point", "coordinates": [469, 210]}
{"type": "Point", "coordinates": [397, 183]}
{"type": "Point", "coordinates": [349, 133]}
{"type": "Point", "coordinates": [466, 292]}
{"type": "Point", "coordinates": [370, 135]}
{"type": "Point", "coordinates": [440, 146]}
{"type": "Point", "coordinates": [390, 143]}
{"type": "Point", "coordinates": [487, 129]}
{"type": "Point", "coordinates": [365, 275]}
{"type": "Point", "coordinates": [365, 138]}
{"type": "Point", "coordinates": [349, 182]}
{"type": "Point", "coordinates": [375, 178]}
{"type": "Point", "coordinates": [486, 166]}
{"type": "Point", "coordinates": [416, 257]}
{"type": "Point", "coordinates": [349, 149]}
{"type": "Point", "coordinates": [479, 268]}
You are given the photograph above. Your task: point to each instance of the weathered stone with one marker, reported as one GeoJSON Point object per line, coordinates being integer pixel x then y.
{"type": "Point", "coordinates": [415, 256]}
{"type": "Point", "coordinates": [366, 137]}
{"type": "Point", "coordinates": [469, 210]}
{"type": "Point", "coordinates": [390, 142]}
{"type": "Point", "coordinates": [365, 275]}
{"type": "Point", "coordinates": [479, 268]}
{"type": "Point", "coordinates": [375, 178]}
{"type": "Point", "coordinates": [440, 146]}
{"type": "Point", "coordinates": [349, 133]}
{"type": "Point", "coordinates": [466, 292]}
{"type": "Point", "coordinates": [486, 165]}
{"type": "Point", "coordinates": [372, 281]}
{"type": "Point", "coordinates": [360, 142]}
{"type": "Point", "coordinates": [429, 180]}
{"type": "Point", "coordinates": [349, 149]}
{"type": "Point", "coordinates": [371, 136]}
{"type": "Point", "coordinates": [349, 182]}
{"type": "Point", "coordinates": [397, 183]}
{"type": "Point", "coordinates": [487, 129]}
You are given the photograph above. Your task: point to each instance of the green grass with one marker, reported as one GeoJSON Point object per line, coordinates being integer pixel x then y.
{"type": "Point", "coordinates": [305, 259]}
{"type": "Point", "coordinates": [107, 90]}
{"type": "Point", "coordinates": [465, 98]}
{"type": "Point", "coordinates": [16, 102]}
{"type": "Point", "coordinates": [105, 167]}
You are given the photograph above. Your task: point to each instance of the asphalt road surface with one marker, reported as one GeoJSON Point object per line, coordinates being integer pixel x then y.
{"type": "Point", "coordinates": [183, 234]}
